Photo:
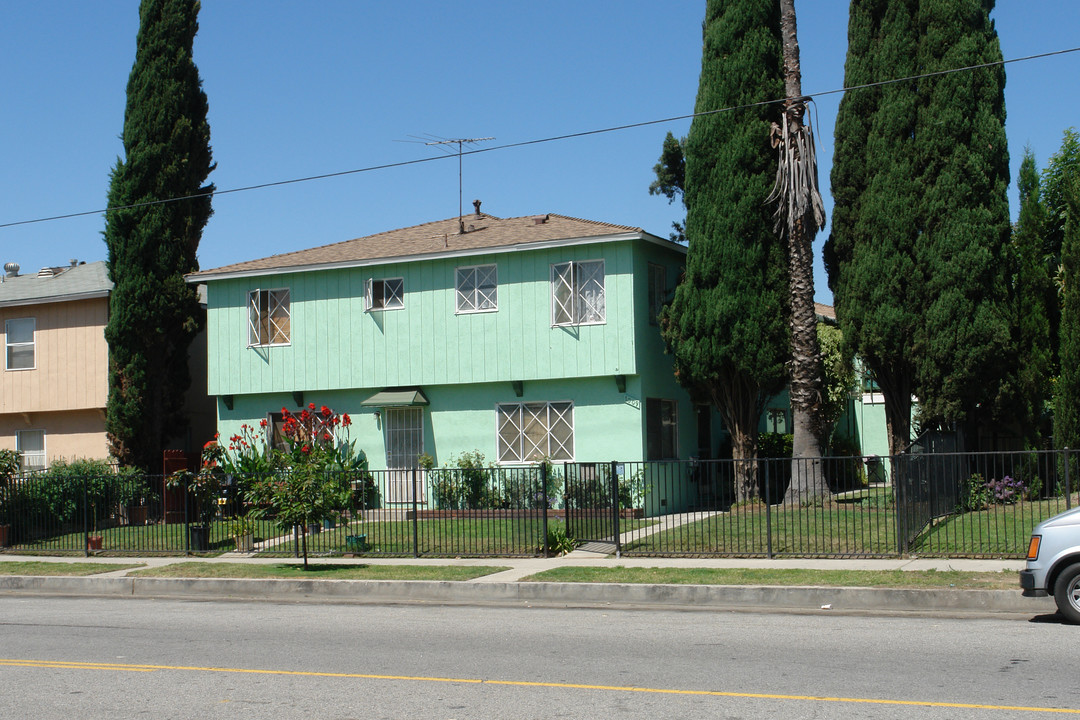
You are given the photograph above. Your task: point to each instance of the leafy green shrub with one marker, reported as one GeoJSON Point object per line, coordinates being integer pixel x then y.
{"type": "Point", "coordinates": [974, 495]}
{"type": "Point", "coordinates": [465, 483]}
{"type": "Point", "coordinates": [558, 543]}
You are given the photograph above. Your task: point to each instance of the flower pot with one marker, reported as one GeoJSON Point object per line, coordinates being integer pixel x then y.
{"type": "Point", "coordinates": [200, 538]}
{"type": "Point", "coordinates": [245, 543]}
{"type": "Point", "coordinates": [94, 542]}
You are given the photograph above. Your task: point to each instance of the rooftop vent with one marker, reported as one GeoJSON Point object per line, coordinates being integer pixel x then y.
{"type": "Point", "coordinates": [539, 219]}
{"type": "Point", "coordinates": [12, 269]}
{"type": "Point", "coordinates": [476, 204]}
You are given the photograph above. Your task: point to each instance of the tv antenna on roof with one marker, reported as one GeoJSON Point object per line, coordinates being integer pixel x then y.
{"type": "Point", "coordinates": [442, 144]}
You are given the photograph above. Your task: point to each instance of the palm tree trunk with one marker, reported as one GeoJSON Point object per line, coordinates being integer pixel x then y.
{"type": "Point", "coordinates": [799, 215]}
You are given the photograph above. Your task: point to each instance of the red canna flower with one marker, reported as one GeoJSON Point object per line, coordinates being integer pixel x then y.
{"type": "Point", "coordinates": [346, 421]}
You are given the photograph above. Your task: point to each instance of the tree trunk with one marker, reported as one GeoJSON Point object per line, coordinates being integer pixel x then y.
{"type": "Point", "coordinates": [799, 215]}
{"type": "Point", "coordinates": [740, 407]}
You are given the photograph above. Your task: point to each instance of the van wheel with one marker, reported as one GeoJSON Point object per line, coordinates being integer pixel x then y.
{"type": "Point", "coordinates": [1067, 593]}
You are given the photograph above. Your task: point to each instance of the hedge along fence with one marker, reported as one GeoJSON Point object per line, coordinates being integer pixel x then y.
{"type": "Point", "coordinates": [960, 505]}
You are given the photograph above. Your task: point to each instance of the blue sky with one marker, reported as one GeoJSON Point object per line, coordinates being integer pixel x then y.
{"type": "Point", "coordinates": [302, 89]}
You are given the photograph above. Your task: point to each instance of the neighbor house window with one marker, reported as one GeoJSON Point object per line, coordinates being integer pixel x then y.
{"type": "Point", "coordinates": [268, 317]}
{"type": "Point", "coordinates": [388, 294]}
{"type": "Point", "coordinates": [477, 289]}
{"type": "Point", "coordinates": [31, 447]}
{"type": "Point", "coordinates": [776, 420]}
{"type": "Point", "coordinates": [533, 431]}
{"type": "Point", "coordinates": [661, 429]}
{"type": "Point", "coordinates": [19, 337]}
{"type": "Point", "coordinates": [577, 293]}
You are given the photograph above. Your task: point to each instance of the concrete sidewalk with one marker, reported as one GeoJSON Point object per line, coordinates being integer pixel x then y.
{"type": "Point", "coordinates": [506, 587]}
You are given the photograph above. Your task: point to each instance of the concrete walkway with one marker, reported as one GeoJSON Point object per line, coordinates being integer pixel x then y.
{"type": "Point", "coordinates": [506, 587]}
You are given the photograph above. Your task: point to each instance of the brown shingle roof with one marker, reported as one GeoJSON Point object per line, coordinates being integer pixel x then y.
{"type": "Point", "coordinates": [431, 239]}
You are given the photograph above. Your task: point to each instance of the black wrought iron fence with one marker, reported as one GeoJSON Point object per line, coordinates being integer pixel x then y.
{"type": "Point", "coordinates": [944, 504]}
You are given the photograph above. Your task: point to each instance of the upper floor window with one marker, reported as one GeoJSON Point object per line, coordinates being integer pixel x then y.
{"type": "Point", "coordinates": [268, 317]}
{"type": "Point", "coordinates": [388, 294]}
{"type": "Point", "coordinates": [657, 291]}
{"type": "Point", "coordinates": [534, 431]}
{"type": "Point", "coordinates": [19, 334]}
{"type": "Point", "coordinates": [31, 447]}
{"type": "Point", "coordinates": [477, 289]}
{"type": "Point", "coordinates": [577, 293]}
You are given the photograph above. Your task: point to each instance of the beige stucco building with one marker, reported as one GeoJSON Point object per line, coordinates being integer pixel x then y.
{"type": "Point", "coordinates": [55, 366]}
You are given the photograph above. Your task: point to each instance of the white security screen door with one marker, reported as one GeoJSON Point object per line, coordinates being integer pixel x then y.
{"type": "Point", "coordinates": [404, 444]}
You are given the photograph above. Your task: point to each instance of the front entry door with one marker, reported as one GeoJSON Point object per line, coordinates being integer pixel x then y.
{"type": "Point", "coordinates": [404, 444]}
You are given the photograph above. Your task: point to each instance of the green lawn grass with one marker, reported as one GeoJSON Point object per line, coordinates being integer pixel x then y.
{"type": "Point", "coordinates": [785, 577]}
{"type": "Point", "coordinates": [33, 567]}
{"type": "Point", "coordinates": [317, 570]}
{"type": "Point", "coordinates": [158, 538]}
{"type": "Point", "coordinates": [999, 530]}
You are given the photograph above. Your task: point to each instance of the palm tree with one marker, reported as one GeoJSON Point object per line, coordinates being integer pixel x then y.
{"type": "Point", "coordinates": [798, 217]}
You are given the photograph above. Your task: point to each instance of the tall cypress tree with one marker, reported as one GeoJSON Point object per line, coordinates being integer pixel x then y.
{"type": "Point", "coordinates": [963, 215]}
{"type": "Point", "coordinates": [917, 253]}
{"type": "Point", "coordinates": [1026, 388]}
{"type": "Point", "coordinates": [1067, 390]}
{"type": "Point", "coordinates": [726, 325]}
{"type": "Point", "coordinates": [870, 254]}
{"type": "Point", "coordinates": [158, 207]}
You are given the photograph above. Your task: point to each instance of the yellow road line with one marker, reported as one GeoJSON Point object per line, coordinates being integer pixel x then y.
{"type": "Point", "coordinates": [73, 665]}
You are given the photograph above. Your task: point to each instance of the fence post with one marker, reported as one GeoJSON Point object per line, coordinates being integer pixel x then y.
{"type": "Point", "coordinates": [187, 522]}
{"type": "Point", "coordinates": [544, 500]}
{"type": "Point", "coordinates": [86, 523]}
{"type": "Point", "coordinates": [768, 510]}
{"type": "Point", "coordinates": [1068, 490]}
{"type": "Point", "coordinates": [615, 504]}
{"type": "Point", "coordinates": [415, 516]}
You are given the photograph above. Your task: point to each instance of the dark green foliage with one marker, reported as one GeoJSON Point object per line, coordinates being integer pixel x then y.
{"type": "Point", "coordinates": [153, 313]}
{"type": "Point", "coordinates": [726, 325]}
{"type": "Point", "coordinates": [1067, 390]}
{"type": "Point", "coordinates": [671, 178]}
{"type": "Point", "coordinates": [1061, 172]}
{"type": "Point", "coordinates": [1020, 405]}
{"type": "Point", "coordinates": [916, 257]}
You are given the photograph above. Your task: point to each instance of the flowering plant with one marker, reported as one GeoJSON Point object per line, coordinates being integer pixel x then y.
{"type": "Point", "coordinates": [313, 484]}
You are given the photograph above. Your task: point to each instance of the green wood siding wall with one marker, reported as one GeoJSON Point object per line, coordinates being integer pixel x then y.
{"type": "Point", "coordinates": [336, 344]}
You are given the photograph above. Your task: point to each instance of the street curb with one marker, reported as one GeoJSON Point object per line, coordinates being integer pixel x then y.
{"type": "Point", "coordinates": [541, 593]}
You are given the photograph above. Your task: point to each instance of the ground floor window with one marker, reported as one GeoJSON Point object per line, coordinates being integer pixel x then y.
{"type": "Point", "coordinates": [661, 425]}
{"type": "Point", "coordinates": [529, 432]}
{"type": "Point", "coordinates": [31, 447]}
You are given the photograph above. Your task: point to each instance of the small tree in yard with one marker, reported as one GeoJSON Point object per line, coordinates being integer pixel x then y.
{"type": "Point", "coordinates": [312, 486]}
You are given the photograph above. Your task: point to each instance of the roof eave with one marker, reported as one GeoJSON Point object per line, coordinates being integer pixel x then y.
{"type": "Point", "coordinates": [210, 275]}
{"type": "Point", "coordinates": [55, 299]}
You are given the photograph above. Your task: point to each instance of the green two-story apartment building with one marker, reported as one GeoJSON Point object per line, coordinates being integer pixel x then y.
{"type": "Point", "coordinates": [521, 338]}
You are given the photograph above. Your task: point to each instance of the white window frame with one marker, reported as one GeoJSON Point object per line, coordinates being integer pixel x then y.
{"type": "Point", "coordinates": [519, 417]}
{"type": "Point", "coordinates": [277, 313]}
{"type": "Point", "coordinates": [671, 427]}
{"type": "Point", "coordinates": [477, 296]}
{"type": "Point", "coordinates": [657, 291]}
{"type": "Point", "coordinates": [25, 456]}
{"type": "Point", "coordinates": [384, 294]}
{"type": "Point", "coordinates": [575, 299]}
{"type": "Point", "coordinates": [10, 346]}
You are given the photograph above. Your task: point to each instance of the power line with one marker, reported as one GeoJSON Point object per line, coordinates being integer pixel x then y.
{"type": "Point", "coordinates": [525, 143]}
